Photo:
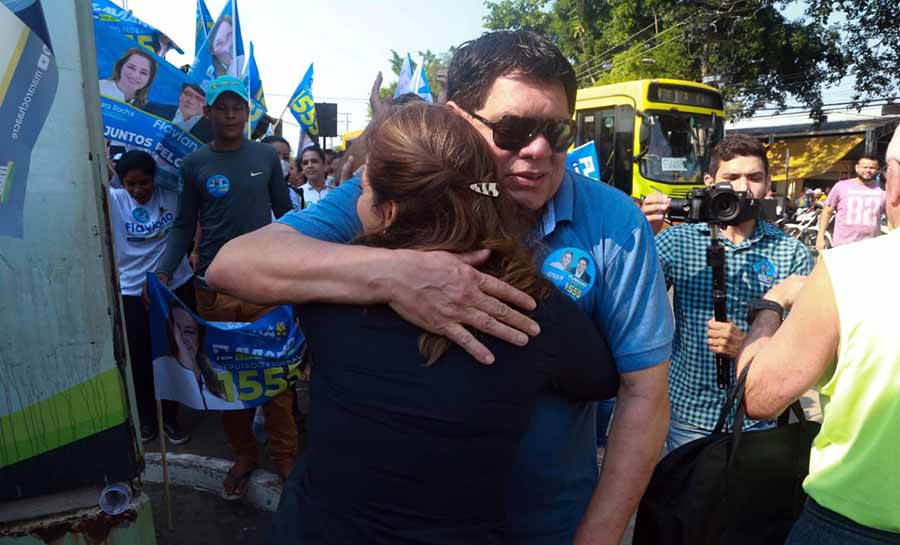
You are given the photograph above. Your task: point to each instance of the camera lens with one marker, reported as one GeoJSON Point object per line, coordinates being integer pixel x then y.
{"type": "Point", "coordinates": [725, 206]}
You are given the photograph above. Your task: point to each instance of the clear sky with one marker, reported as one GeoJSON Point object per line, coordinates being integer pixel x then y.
{"type": "Point", "coordinates": [349, 42]}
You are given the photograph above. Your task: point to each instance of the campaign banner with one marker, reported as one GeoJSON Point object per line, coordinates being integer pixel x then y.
{"type": "Point", "coordinates": [122, 21]}
{"type": "Point", "coordinates": [255, 88]}
{"type": "Point", "coordinates": [303, 106]}
{"type": "Point", "coordinates": [28, 80]}
{"type": "Point", "coordinates": [205, 23]}
{"type": "Point", "coordinates": [583, 160]}
{"type": "Point", "coordinates": [221, 365]}
{"type": "Point", "coordinates": [222, 53]}
{"type": "Point", "coordinates": [148, 104]}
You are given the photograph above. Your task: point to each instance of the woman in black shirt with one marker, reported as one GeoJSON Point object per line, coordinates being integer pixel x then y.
{"type": "Point", "coordinates": [410, 439]}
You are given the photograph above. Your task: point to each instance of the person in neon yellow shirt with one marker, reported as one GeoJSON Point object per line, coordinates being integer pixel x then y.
{"type": "Point", "coordinates": [848, 325]}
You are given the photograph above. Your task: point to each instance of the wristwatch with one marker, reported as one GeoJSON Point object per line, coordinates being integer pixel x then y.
{"type": "Point", "coordinates": [763, 304]}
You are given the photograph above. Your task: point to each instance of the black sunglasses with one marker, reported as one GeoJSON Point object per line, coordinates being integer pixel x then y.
{"type": "Point", "coordinates": [513, 133]}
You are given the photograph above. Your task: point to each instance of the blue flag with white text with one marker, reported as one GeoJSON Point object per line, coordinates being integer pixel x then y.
{"type": "Point", "coordinates": [222, 53]}
{"type": "Point", "coordinates": [405, 81]}
{"type": "Point", "coordinates": [221, 365]}
{"type": "Point", "coordinates": [205, 23]}
{"type": "Point", "coordinates": [584, 161]}
{"type": "Point", "coordinates": [255, 89]}
{"type": "Point", "coordinates": [303, 106]}
{"type": "Point", "coordinates": [109, 14]}
{"type": "Point", "coordinates": [28, 81]}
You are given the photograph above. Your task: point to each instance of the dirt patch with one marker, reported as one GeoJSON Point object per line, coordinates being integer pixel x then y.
{"type": "Point", "coordinates": [201, 518]}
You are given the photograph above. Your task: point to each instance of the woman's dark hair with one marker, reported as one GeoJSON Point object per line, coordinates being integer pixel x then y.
{"type": "Point", "coordinates": [274, 138]}
{"type": "Point", "coordinates": [140, 97]}
{"type": "Point", "coordinates": [737, 145]}
{"type": "Point", "coordinates": [135, 160]}
{"type": "Point", "coordinates": [478, 63]}
{"type": "Point", "coordinates": [316, 149]}
{"type": "Point", "coordinates": [425, 158]}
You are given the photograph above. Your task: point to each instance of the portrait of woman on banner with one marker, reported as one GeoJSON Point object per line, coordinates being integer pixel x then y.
{"type": "Point", "coordinates": [221, 46]}
{"type": "Point", "coordinates": [131, 78]}
{"type": "Point", "coordinates": [186, 340]}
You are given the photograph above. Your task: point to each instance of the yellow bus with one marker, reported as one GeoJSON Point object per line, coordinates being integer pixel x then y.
{"type": "Point", "coordinates": [651, 135]}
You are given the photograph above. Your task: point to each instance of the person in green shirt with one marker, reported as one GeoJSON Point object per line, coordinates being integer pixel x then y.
{"type": "Point", "coordinates": [846, 322]}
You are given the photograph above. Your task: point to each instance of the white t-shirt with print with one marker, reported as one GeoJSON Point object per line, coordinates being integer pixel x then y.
{"type": "Point", "coordinates": [140, 232]}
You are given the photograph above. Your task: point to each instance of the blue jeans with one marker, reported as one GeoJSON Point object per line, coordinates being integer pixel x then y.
{"type": "Point", "coordinates": [820, 526]}
{"type": "Point", "coordinates": [681, 432]}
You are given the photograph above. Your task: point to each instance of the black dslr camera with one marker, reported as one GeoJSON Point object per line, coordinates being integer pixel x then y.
{"type": "Point", "coordinates": [718, 204]}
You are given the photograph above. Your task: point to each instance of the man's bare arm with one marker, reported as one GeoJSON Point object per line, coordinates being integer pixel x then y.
{"type": "Point", "coordinates": [636, 439]}
{"type": "Point", "coordinates": [437, 291]}
{"type": "Point", "coordinates": [824, 218]}
{"type": "Point", "coordinates": [780, 372]}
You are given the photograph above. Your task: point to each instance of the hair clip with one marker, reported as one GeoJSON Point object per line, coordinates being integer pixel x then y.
{"type": "Point", "coordinates": [488, 189]}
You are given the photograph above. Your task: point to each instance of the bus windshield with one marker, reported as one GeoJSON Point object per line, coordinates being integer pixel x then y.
{"type": "Point", "coordinates": [677, 150]}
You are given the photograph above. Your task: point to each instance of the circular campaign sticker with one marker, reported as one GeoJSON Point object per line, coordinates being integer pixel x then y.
{"type": "Point", "coordinates": [140, 215]}
{"type": "Point", "coordinates": [218, 185]}
{"type": "Point", "coordinates": [572, 270]}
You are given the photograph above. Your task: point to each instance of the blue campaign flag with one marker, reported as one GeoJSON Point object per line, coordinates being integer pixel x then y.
{"type": "Point", "coordinates": [221, 365]}
{"type": "Point", "coordinates": [255, 89]}
{"type": "Point", "coordinates": [420, 84]}
{"type": "Point", "coordinates": [583, 160]}
{"type": "Point", "coordinates": [222, 53]}
{"type": "Point", "coordinates": [405, 81]}
{"type": "Point", "coordinates": [205, 23]}
{"type": "Point", "coordinates": [108, 14]}
{"type": "Point", "coordinates": [148, 104]}
{"type": "Point", "coordinates": [28, 81]}
{"type": "Point", "coordinates": [303, 106]}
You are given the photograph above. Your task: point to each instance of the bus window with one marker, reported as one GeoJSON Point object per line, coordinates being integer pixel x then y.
{"type": "Point", "coordinates": [586, 127]}
{"type": "Point", "coordinates": [679, 145]}
{"type": "Point", "coordinates": [623, 147]}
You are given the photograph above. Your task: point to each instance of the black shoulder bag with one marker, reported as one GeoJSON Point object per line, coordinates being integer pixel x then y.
{"type": "Point", "coordinates": [736, 488]}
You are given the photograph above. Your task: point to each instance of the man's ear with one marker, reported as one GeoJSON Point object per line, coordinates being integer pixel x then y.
{"type": "Point", "coordinates": [708, 180]}
{"type": "Point", "coordinates": [206, 110]}
{"type": "Point", "coordinates": [455, 107]}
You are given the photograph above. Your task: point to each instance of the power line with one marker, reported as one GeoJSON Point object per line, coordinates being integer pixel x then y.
{"type": "Point", "coordinates": [629, 59]}
{"type": "Point", "coordinates": [600, 60]}
{"type": "Point", "coordinates": [620, 44]}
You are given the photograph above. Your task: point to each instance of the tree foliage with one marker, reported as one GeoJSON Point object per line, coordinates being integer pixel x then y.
{"type": "Point", "coordinates": [760, 56]}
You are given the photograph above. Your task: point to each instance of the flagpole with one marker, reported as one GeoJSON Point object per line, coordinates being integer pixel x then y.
{"type": "Point", "coordinates": [165, 462]}
{"type": "Point", "coordinates": [284, 111]}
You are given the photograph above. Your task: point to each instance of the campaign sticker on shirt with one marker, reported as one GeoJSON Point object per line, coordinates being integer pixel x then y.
{"type": "Point", "coordinates": [218, 185]}
{"type": "Point", "coordinates": [572, 270]}
{"type": "Point", "coordinates": [765, 272]}
{"type": "Point", "coordinates": [140, 214]}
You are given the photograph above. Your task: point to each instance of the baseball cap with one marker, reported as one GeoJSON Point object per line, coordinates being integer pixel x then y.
{"type": "Point", "coordinates": [225, 84]}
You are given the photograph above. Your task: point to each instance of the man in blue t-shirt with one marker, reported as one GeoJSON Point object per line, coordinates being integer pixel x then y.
{"type": "Point", "coordinates": [519, 91]}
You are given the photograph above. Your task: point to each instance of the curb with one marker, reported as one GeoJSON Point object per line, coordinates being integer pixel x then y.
{"type": "Point", "coordinates": [206, 474]}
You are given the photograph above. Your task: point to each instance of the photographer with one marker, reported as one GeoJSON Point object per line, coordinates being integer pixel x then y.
{"type": "Point", "coordinates": [848, 329]}
{"type": "Point", "coordinates": [757, 257]}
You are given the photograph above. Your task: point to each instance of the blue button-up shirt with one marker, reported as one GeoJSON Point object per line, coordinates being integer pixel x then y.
{"type": "Point", "coordinates": [759, 262]}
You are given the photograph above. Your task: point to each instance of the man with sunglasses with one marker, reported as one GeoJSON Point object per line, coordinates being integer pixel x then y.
{"type": "Point", "coordinates": [518, 90]}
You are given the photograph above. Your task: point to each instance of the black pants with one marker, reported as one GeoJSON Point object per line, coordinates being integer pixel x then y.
{"type": "Point", "coordinates": [137, 326]}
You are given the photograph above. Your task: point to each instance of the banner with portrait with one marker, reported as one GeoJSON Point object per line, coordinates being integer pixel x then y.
{"type": "Point", "coordinates": [148, 104]}
{"type": "Point", "coordinates": [222, 53]}
{"type": "Point", "coordinates": [28, 80]}
{"type": "Point", "coordinates": [221, 365]}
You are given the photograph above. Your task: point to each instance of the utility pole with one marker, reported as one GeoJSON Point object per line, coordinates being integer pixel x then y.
{"type": "Point", "coordinates": [346, 120]}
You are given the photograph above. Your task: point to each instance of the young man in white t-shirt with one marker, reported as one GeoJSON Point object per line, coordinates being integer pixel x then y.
{"type": "Point", "coordinates": [141, 216]}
